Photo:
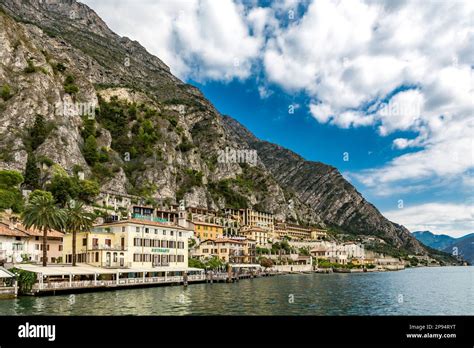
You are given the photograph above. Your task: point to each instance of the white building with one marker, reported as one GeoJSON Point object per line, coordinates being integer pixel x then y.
{"type": "Point", "coordinates": [18, 244]}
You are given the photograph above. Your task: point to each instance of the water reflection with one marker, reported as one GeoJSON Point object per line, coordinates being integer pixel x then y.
{"type": "Point", "coordinates": [429, 291]}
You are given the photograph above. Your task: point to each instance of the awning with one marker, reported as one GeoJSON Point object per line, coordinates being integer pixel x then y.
{"type": "Point", "coordinates": [91, 270]}
{"type": "Point", "coordinates": [6, 274]}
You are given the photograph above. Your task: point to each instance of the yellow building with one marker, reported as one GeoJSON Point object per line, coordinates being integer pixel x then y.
{"type": "Point", "coordinates": [229, 250]}
{"type": "Point", "coordinates": [254, 218]}
{"type": "Point", "coordinates": [206, 230]}
{"type": "Point", "coordinates": [131, 243]}
{"type": "Point", "coordinates": [283, 229]}
{"type": "Point", "coordinates": [318, 234]}
{"type": "Point", "coordinates": [259, 235]}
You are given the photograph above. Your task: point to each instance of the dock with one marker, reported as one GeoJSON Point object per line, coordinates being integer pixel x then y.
{"type": "Point", "coordinates": [54, 280]}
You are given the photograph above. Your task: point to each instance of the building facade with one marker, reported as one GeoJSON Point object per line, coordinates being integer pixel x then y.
{"type": "Point", "coordinates": [18, 244]}
{"type": "Point", "coordinates": [132, 243]}
{"type": "Point", "coordinates": [259, 235]}
{"type": "Point", "coordinates": [229, 250]}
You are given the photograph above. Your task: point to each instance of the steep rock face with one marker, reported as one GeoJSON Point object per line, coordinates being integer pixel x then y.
{"type": "Point", "coordinates": [181, 162]}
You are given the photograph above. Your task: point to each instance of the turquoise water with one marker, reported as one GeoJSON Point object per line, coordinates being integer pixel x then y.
{"type": "Point", "coordinates": [420, 291]}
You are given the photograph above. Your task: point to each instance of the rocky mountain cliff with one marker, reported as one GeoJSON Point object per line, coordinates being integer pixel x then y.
{"type": "Point", "coordinates": [147, 132]}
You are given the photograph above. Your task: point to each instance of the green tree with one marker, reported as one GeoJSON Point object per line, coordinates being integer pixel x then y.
{"type": "Point", "coordinates": [10, 179]}
{"type": "Point", "coordinates": [6, 92]}
{"type": "Point", "coordinates": [38, 133]}
{"type": "Point", "coordinates": [78, 220]}
{"type": "Point", "coordinates": [88, 190]}
{"type": "Point", "coordinates": [88, 128]}
{"type": "Point", "coordinates": [70, 86]}
{"type": "Point", "coordinates": [91, 155]}
{"type": "Point", "coordinates": [40, 193]}
{"type": "Point", "coordinates": [63, 189]}
{"type": "Point", "coordinates": [10, 195]}
{"type": "Point", "coordinates": [42, 214]}
{"type": "Point", "coordinates": [32, 173]}
{"type": "Point", "coordinates": [215, 263]}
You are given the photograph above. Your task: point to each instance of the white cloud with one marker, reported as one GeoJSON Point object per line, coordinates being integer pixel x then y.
{"type": "Point", "coordinates": [347, 56]}
{"type": "Point", "coordinates": [452, 219]}
{"type": "Point", "coordinates": [200, 39]}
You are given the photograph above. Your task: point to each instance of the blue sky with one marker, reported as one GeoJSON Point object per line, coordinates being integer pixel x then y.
{"type": "Point", "coordinates": [379, 80]}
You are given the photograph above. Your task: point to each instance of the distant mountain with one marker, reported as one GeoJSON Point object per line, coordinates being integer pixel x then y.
{"type": "Point", "coordinates": [442, 242]}
{"type": "Point", "coordinates": [435, 241]}
{"type": "Point", "coordinates": [465, 248]}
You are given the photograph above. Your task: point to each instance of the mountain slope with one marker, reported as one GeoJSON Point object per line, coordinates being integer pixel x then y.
{"type": "Point", "coordinates": [464, 245]}
{"type": "Point", "coordinates": [435, 241]}
{"type": "Point", "coordinates": [156, 136]}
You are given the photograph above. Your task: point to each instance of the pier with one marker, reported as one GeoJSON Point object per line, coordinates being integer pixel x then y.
{"type": "Point", "coordinates": [54, 280]}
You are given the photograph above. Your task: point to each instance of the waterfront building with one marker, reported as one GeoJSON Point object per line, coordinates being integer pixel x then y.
{"type": "Point", "coordinates": [330, 251]}
{"type": "Point", "coordinates": [229, 250]}
{"type": "Point", "coordinates": [259, 235]}
{"type": "Point", "coordinates": [131, 243]}
{"type": "Point", "coordinates": [18, 244]}
{"type": "Point", "coordinates": [34, 247]}
{"type": "Point", "coordinates": [12, 243]}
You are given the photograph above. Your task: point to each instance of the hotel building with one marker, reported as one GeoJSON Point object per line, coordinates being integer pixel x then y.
{"type": "Point", "coordinates": [133, 243]}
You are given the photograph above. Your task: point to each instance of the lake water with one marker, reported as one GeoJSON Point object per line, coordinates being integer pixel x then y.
{"type": "Point", "coordinates": [420, 291]}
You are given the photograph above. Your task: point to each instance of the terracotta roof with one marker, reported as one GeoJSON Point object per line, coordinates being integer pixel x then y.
{"type": "Point", "coordinates": [6, 230]}
{"type": "Point", "coordinates": [18, 227]}
{"type": "Point", "coordinates": [37, 233]}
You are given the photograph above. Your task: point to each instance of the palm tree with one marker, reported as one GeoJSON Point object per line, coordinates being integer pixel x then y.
{"type": "Point", "coordinates": [42, 214]}
{"type": "Point", "coordinates": [78, 220]}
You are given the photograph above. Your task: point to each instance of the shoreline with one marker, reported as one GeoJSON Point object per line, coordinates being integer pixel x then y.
{"type": "Point", "coordinates": [206, 279]}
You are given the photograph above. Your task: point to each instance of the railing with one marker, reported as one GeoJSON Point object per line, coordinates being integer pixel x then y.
{"type": "Point", "coordinates": [111, 283]}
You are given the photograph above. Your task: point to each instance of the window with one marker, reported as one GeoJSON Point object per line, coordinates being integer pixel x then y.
{"type": "Point", "coordinates": [60, 248]}
{"type": "Point", "coordinates": [171, 233]}
{"type": "Point", "coordinates": [137, 229]}
{"type": "Point", "coordinates": [115, 257]}
{"type": "Point", "coordinates": [123, 228]}
{"type": "Point", "coordinates": [164, 233]}
{"type": "Point", "coordinates": [156, 231]}
{"type": "Point", "coordinates": [97, 257]}
{"type": "Point", "coordinates": [147, 230]}
{"type": "Point", "coordinates": [95, 242]}
{"type": "Point", "coordinates": [37, 247]}
{"type": "Point", "coordinates": [180, 234]}
{"type": "Point", "coordinates": [108, 242]}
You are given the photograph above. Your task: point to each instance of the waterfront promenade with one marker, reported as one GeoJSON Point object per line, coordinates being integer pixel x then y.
{"type": "Point", "coordinates": [85, 278]}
